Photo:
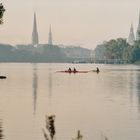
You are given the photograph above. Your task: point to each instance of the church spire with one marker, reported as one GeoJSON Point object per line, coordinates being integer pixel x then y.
{"type": "Point", "coordinates": [138, 29]}
{"type": "Point", "coordinates": [131, 37]}
{"type": "Point", "coordinates": [50, 41]}
{"type": "Point", "coordinates": [35, 33]}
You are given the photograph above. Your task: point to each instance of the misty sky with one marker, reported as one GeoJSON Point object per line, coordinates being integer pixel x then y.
{"type": "Point", "coordinates": [74, 22]}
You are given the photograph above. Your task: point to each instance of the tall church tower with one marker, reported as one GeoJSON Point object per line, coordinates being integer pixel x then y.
{"type": "Point", "coordinates": [35, 40]}
{"type": "Point", "coordinates": [138, 29]}
{"type": "Point", "coordinates": [50, 41]}
{"type": "Point", "coordinates": [131, 37]}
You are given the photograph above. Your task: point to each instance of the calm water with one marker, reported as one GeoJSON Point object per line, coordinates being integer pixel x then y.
{"type": "Point", "coordinates": [107, 103]}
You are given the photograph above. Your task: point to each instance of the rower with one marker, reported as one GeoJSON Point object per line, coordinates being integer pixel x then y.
{"type": "Point", "coordinates": [74, 70]}
{"type": "Point", "coordinates": [97, 70]}
{"type": "Point", "coordinates": [69, 70]}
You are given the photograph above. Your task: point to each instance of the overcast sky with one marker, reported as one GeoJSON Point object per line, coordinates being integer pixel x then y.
{"type": "Point", "coordinates": [74, 22]}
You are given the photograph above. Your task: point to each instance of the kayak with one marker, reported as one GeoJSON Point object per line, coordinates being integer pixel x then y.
{"type": "Point", "coordinates": [66, 71]}
{"type": "Point", "coordinates": [2, 77]}
{"type": "Point", "coordinates": [80, 71]}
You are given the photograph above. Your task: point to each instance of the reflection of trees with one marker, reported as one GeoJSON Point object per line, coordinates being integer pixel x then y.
{"type": "Point", "coordinates": [1, 131]}
{"type": "Point", "coordinates": [132, 85]}
{"type": "Point", "coordinates": [138, 89]}
{"type": "Point", "coordinates": [35, 87]}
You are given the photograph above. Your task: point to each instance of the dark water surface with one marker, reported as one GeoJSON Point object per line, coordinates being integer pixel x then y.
{"type": "Point", "coordinates": [107, 103]}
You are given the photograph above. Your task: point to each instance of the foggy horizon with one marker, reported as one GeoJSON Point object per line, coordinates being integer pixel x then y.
{"type": "Point", "coordinates": [84, 23]}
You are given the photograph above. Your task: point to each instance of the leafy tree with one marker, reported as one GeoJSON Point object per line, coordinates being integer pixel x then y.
{"type": "Point", "coordinates": [115, 48]}
{"type": "Point", "coordinates": [132, 53]}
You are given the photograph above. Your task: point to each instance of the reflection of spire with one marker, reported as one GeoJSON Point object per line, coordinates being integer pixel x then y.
{"type": "Point", "coordinates": [50, 83]}
{"type": "Point", "coordinates": [35, 33]}
{"type": "Point", "coordinates": [35, 87]}
{"type": "Point", "coordinates": [1, 131]}
{"type": "Point", "coordinates": [138, 90]}
{"type": "Point", "coordinates": [50, 89]}
{"type": "Point", "coordinates": [50, 42]}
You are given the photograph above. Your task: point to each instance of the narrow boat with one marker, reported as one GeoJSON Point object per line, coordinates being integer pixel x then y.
{"type": "Point", "coordinates": [79, 71]}
{"type": "Point", "coordinates": [3, 77]}
{"type": "Point", "coordinates": [66, 71]}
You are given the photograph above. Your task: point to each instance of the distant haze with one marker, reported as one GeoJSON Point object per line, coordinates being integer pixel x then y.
{"type": "Point", "coordinates": [74, 22]}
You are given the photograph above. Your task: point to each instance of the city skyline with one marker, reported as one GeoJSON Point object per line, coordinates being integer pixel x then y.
{"type": "Point", "coordinates": [84, 23]}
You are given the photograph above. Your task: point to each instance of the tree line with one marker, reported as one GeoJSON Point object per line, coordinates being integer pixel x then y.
{"type": "Point", "coordinates": [42, 53]}
{"type": "Point", "coordinates": [119, 49]}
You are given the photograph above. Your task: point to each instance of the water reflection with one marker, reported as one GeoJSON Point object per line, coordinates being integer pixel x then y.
{"type": "Point", "coordinates": [50, 82]}
{"type": "Point", "coordinates": [50, 88]}
{"type": "Point", "coordinates": [1, 130]}
{"type": "Point", "coordinates": [131, 87]}
{"type": "Point", "coordinates": [49, 130]}
{"type": "Point", "coordinates": [107, 102]}
{"type": "Point", "coordinates": [35, 87]}
{"type": "Point", "coordinates": [138, 89]}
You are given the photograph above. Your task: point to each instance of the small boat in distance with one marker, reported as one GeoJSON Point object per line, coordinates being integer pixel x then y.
{"type": "Point", "coordinates": [73, 71]}
{"type": "Point", "coordinates": [3, 77]}
{"type": "Point", "coordinates": [67, 71]}
{"type": "Point", "coordinates": [79, 71]}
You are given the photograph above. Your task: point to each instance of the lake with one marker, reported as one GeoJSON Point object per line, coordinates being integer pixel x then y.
{"type": "Point", "coordinates": [103, 104]}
